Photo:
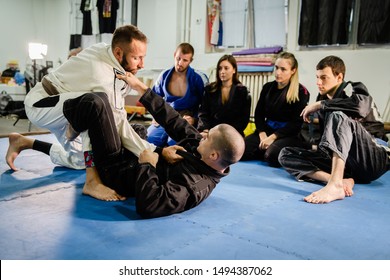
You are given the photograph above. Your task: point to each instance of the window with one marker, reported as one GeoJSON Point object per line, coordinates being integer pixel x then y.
{"type": "Point", "coordinates": [344, 22]}
{"type": "Point", "coordinates": [234, 22]}
{"type": "Point", "coordinates": [270, 22]}
{"type": "Point", "coordinates": [374, 22]}
{"type": "Point", "coordinates": [248, 23]}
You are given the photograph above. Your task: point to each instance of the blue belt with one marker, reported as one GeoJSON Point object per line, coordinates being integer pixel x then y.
{"type": "Point", "coordinates": [275, 124]}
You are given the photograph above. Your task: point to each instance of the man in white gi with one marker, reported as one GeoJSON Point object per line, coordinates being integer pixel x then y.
{"type": "Point", "coordinates": [92, 70]}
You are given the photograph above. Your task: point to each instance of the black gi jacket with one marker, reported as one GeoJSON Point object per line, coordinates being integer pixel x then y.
{"type": "Point", "coordinates": [170, 188]}
{"type": "Point", "coordinates": [272, 105]}
{"type": "Point", "coordinates": [236, 111]}
{"type": "Point", "coordinates": [359, 106]}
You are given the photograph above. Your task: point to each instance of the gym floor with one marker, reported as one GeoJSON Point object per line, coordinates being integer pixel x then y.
{"type": "Point", "coordinates": [255, 213]}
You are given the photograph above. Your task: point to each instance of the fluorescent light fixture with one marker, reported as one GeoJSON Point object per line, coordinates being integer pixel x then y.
{"type": "Point", "coordinates": [37, 50]}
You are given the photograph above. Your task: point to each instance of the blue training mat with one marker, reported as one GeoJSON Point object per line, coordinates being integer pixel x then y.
{"type": "Point", "coordinates": [256, 212]}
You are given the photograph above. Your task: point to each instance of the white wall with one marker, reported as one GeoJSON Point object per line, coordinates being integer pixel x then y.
{"type": "Point", "coordinates": [368, 65]}
{"type": "Point", "coordinates": [164, 28]}
{"type": "Point", "coordinates": [48, 21]}
{"type": "Point", "coordinates": [40, 21]}
{"type": "Point", "coordinates": [159, 20]}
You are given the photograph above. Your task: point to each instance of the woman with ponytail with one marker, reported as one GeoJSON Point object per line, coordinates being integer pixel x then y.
{"type": "Point", "coordinates": [277, 115]}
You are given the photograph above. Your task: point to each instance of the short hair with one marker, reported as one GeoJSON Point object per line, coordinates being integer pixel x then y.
{"type": "Point", "coordinates": [229, 143]}
{"type": "Point", "coordinates": [186, 48]}
{"type": "Point", "coordinates": [334, 62]}
{"type": "Point", "coordinates": [124, 35]}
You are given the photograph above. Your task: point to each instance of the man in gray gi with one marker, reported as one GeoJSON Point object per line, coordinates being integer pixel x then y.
{"type": "Point", "coordinates": [351, 147]}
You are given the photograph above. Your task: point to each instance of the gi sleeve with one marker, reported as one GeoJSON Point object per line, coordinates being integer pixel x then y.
{"type": "Point", "coordinates": [159, 84]}
{"type": "Point", "coordinates": [131, 140]}
{"type": "Point", "coordinates": [242, 103]}
{"type": "Point", "coordinates": [260, 109]}
{"type": "Point", "coordinates": [293, 127]}
{"type": "Point", "coordinates": [176, 127]}
{"type": "Point", "coordinates": [357, 106]}
{"type": "Point", "coordinates": [204, 112]}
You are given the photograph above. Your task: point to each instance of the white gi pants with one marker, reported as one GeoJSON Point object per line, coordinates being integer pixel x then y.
{"type": "Point", "coordinates": [66, 153]}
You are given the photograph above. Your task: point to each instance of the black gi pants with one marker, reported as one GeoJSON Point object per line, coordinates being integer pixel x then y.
{"type": "Point", "coordinates": [116, 166]}
{"type": "Point", "coordinates": [270, 155]}
{"type": "Point", "coordinates": [365, 159]}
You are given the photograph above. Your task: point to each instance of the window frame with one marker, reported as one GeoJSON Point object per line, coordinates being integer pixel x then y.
{"type": "Point", "coordinates": [250, 38]}
{"type": "Point", "coordinates": [352, 36]}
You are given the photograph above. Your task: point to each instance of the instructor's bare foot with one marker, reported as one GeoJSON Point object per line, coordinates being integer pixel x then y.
{"type": "Point", "coordinates": [17, 143]}
{"type": "Point", "coordinates": [348, 185]}
{"type": "Point", "coordinates": [327, 194]}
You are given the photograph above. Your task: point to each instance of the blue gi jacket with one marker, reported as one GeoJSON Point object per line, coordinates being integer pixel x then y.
{"type": "Point", "coordinates": [192, 99]}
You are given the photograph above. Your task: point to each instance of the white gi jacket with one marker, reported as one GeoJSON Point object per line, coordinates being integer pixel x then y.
{"type": "Point", "coordinates": [92, 70]}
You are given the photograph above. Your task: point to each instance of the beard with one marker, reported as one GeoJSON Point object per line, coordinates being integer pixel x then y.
{"type": "Point", "coordinates": [181, 69]}
{"type": "Point", "coordinates": [125, 66]}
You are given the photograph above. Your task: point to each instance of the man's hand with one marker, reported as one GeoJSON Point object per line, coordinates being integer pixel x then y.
{"type": "Point", "coordinates": [169, 154]}
{"type": "Point", "coordinates": [310, 109]}
{"type": "Point", "coordinates": [154, 123]}
{"type": "Point", "coordinates": [204, 133]}
{"type": "Point", "coordinates": [189, 119]}
{"type": "Point", "coordinates": [133, 82]}
{"type": "Point", "coordinates": [147, 156]}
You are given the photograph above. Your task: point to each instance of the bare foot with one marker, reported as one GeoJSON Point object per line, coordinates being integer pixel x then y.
{"type": "Point", "coordinates": [327, 194]}
{"type": "Point", "coordinates": [17, 143]}
{"type": "Point", "coordinates": [94, 187]}
{"type": "Point", "coordinates": [101, 192]}
{"type": "Point", "coordinates": [348, 185]}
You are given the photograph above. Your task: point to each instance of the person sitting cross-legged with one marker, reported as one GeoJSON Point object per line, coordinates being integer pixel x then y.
{"type": "Point", "coordinates": [350, 148]}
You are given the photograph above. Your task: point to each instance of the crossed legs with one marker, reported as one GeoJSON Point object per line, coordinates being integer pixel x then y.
{"type": "Point", "coordinates": [328, 164]}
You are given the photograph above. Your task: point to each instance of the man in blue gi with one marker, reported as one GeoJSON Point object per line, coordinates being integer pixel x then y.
{"type": "Point", "coordinates": [182, 87]}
